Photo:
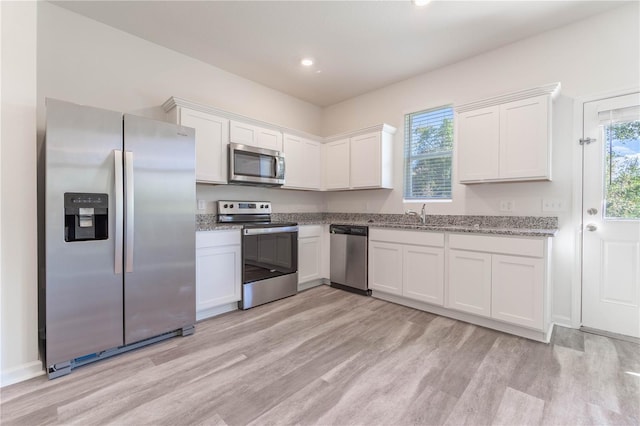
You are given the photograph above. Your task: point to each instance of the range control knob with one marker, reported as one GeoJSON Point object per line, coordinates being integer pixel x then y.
{"type": "Point", "coordinates": [231, 205]}
{"type": "Point", "coordinates": [263, 206]}
{"type": "Point", "coordinates": [226, 205]}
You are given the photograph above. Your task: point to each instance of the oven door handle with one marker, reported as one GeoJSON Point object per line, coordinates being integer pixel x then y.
{"type": "Point", "coordinates": [275, 230]}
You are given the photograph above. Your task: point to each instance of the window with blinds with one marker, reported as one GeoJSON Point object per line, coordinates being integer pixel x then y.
{"type": "Point", "coordinates": [428, 148]}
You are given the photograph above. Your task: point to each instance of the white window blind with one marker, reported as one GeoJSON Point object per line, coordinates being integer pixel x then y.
{"type": "Point", "coordinates": [428, 148]}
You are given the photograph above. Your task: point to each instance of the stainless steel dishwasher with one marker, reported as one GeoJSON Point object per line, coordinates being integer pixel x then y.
{"type": "Point", "coordinates": [349, 253]}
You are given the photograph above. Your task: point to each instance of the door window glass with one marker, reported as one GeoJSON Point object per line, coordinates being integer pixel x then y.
{"type": "Point", "coordinates": [622, 170]}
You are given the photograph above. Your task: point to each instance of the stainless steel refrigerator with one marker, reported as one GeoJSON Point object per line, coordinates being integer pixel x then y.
{"type": "Point", "coordinates": [117, 264]}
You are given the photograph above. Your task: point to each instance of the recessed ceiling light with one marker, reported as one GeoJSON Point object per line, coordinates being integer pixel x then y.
{"type": "Point", "coordinates": [421, 3]}
{"type": "Point", "coordinates": [307, 62]}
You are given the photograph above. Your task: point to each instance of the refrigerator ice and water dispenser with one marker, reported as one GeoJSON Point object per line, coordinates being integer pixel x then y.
{"type": "Point", "coordinates": [85, 216]}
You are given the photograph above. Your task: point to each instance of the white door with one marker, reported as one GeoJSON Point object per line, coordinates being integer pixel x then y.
{"type": "Point", "coordinates": [611, 215]}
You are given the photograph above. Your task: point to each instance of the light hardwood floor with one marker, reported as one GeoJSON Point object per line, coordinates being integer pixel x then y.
{"type": "Point", "coordinates": [330, 357]}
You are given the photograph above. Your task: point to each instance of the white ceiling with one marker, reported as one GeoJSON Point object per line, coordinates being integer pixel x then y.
{"type": "Point", "coordinates": [358, 46]}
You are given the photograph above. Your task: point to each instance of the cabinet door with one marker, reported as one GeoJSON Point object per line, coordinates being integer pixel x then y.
{"type": "Point", "coordinates": [470, 282]}
{"type": "Point", "coordinates": [524, 139]}
{"type": "Point", "coordinates": [478, 144]}
{"type": "Point", "coordinates": [517, 290]}
{"type": "Point", "coordinates": [337, 164]}
{"type": "Point", "coordinates": [243, 133]}
{"type": "Point", "coordinates": [212, 138]}
{"type": "Point", "coordinates": [218, 276]}
{"type": "Point", "coordinates": [309, 259]}
{"type": "Point", "coordinates": [385, 267]}
{"type": "Point", "coordinates": [423, 271]}
{"type": "Point", "coordinates": [365, 161]}
{"type": "Point", "coordinates": [303, 160]}
{"type": "Point", "coordinates": [269, 139]}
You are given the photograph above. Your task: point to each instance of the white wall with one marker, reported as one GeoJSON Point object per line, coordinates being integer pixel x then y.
{"type": "Point", "coordinates": [593, 56]}
{"type": "Point", "coordinates": [83, 61]}
{"type": "Point", "coordinates": [18, 341]}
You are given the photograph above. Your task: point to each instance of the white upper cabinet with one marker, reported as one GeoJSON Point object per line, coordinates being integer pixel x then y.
{"type": "Point", "coordinates": [478, 144]}
{"type": "Point", "coordinates": [212, 139]}
{"type": "Point", "coordinates": [525, 139]}
{"type": "Point", "coordinates": [250, 134]}
{"type": "Point", "coordinates": [303, 163]}
{"type": "Point", "coordinates": [507, 138]}
{"type": "Point", "coordinates": [337, 164]}
{"type": "Point", "coordinates": [361, 161]}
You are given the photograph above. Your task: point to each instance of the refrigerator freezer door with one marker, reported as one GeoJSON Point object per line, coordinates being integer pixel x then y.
{"type": "Point", "coordinates": [83, 294]}
{"type": "Point", "coordinates": [160, 289]}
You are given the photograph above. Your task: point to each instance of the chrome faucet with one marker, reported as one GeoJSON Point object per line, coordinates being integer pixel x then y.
{"type": "Point", "coordinates": [422, 216]}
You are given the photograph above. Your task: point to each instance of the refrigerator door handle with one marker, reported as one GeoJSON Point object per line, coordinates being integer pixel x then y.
{"type": "Point", "coordinates": [119, 200]}
{"type": "Point", "coordinates": [128, 220]}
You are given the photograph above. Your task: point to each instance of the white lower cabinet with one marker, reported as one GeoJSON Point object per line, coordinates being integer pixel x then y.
{"type": "Point", "coordinates": [498, 277]}
{"type": "Point", "coordinates": [218, 272]}
{"type": "Point", "coordinates": [310, 253]}
{"type": "Point", "coordinates": [423, 273]}
{"type": "Point", "coordinates": [385, 267]}
{"type": "Point", "coordinates": [517, 290]}
{"type": "Point", "coordinates": [470, 282]}
{"type": "Point", "coordinates": [408, 264]}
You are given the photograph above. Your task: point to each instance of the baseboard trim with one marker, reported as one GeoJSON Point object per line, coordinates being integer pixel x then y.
{"type": "Point", "coordinates": [21, 373]}
{"type": "Point", "coordinates": [540, 336]}
{"type": "Point", "coordinates": [215, 311]}
{"type": "Point", "coordinates": [611, 335]}
{"type": "Point", "coordinates": [311, 284]}
{"type": "Point", "coordinates": [562, 321]}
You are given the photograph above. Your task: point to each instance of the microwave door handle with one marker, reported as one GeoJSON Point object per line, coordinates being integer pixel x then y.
{"type": "Point", "coordinates": [277, 167]}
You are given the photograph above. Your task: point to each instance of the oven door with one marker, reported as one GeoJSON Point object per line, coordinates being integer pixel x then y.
{"type": "Point", "coordinates": [251, 165]}
{"type": "Point", "coordinates": [269, 252]}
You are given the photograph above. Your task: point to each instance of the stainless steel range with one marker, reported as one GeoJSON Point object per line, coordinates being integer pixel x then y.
{"type": "Point", "coordinates": [269, 252]}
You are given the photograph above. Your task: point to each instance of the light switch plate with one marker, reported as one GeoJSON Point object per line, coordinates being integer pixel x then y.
{"type": "Point", "coordinates": [202, 204]}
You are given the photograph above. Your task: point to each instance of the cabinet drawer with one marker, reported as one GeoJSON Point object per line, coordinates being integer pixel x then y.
{"type": "Point", "coordinates": [507, 245]}
{"type": "Point", "coordinates": [422, 238]}
{"type": "Point", "coordinates": [305, 231]}
{"type": "Point", "coordinates": [217, 238]}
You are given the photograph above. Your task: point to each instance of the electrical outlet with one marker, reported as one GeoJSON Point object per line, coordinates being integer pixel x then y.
{"type": "Point", "coordinates": [507, 205]}
{"type": "Point", "coordinates": [202, 204]}
{"type": "Point", "coordinates": [553, 205]}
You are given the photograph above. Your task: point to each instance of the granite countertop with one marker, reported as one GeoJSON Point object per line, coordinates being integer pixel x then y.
{"type": "Point", "coordinates": [529, 226]}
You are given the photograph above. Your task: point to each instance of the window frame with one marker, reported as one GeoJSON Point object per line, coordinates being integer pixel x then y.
{"type": "Point", "coordinates": [408, 158]}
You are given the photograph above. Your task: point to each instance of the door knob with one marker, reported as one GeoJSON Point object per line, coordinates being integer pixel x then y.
{"type": "Point", "coordinates": [591, 227]}
{"type": "Point", "coordinates": [592, 211]}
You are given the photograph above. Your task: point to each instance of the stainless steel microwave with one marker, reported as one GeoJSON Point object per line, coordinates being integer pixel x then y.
{"type": "Point", "coordinates": [249, 165]}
